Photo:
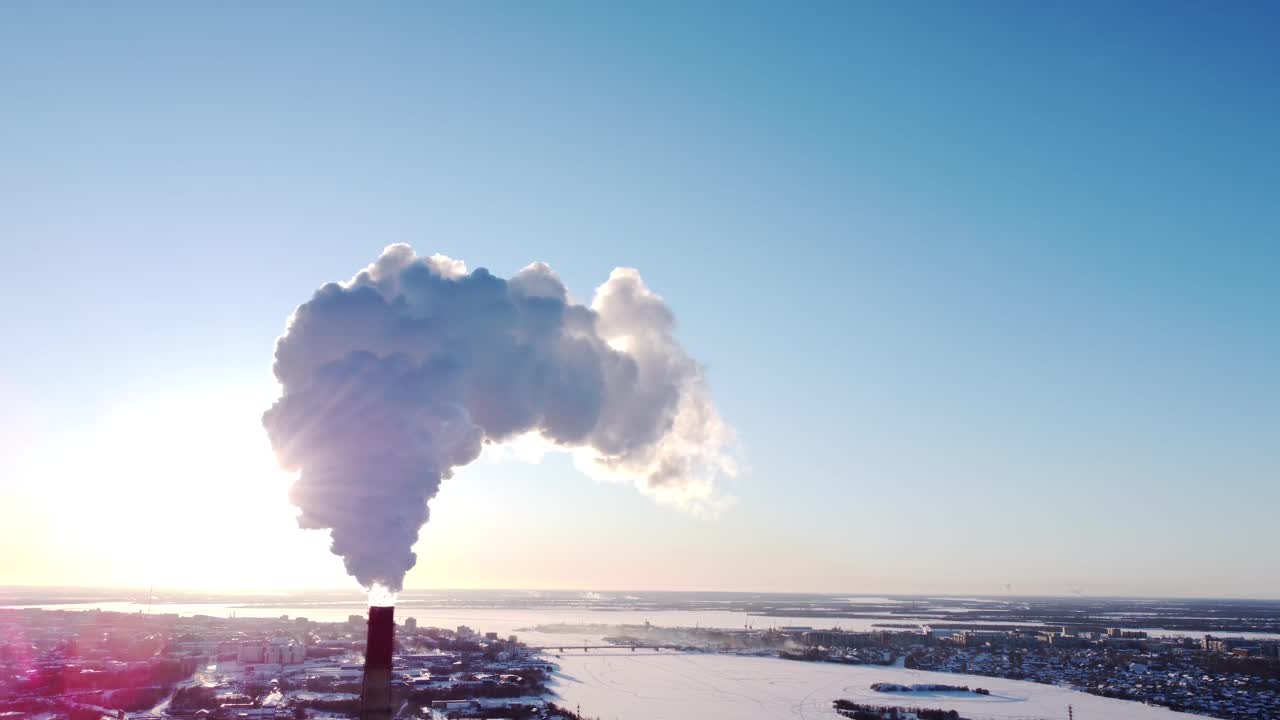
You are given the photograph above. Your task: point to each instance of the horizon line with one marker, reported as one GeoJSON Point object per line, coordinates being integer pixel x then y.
{"type": "Point", "coordinates": [357, 592]}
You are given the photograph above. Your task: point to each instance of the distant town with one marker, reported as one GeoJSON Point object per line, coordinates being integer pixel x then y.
{"type": "Point", "coordinates": [101, 665]}
{"type": "Point", "coordinates": [93, 665]}
{"type": "Point", "coordinates": [1217, 676]}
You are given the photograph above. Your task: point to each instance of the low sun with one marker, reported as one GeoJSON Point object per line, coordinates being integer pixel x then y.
{"type": "Point", "coordinates": [181, 490]}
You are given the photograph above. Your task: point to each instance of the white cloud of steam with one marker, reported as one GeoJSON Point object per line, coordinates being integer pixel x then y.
{"type": "Point", "coordinates": [396, 377]}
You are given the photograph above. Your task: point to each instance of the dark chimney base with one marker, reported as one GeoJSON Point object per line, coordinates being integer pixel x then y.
{"type": "Point", "coordinates": [375, 694]}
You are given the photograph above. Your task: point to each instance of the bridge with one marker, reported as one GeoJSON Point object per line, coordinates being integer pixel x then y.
{"type": "Point", "coordinates": [587, 648]}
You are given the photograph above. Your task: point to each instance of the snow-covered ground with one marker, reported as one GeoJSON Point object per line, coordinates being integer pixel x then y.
{"type": "Point", "coordinates": [311, 696]}
{"type": "Point", "coordinates": [678, 686]}
{"type": "Point", "coordinates": [1158, 632]}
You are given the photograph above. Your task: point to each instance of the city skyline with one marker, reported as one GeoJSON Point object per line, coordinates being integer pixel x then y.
{"type": "Point", "coordinates": [980, 317]}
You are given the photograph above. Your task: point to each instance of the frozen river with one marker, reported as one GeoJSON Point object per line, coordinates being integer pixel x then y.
{"type": "Point", "coordinates": [621, 685]}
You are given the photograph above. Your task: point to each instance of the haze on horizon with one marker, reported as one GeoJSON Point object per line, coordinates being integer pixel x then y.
{"type": "Point", "coordinates": [988, 292]}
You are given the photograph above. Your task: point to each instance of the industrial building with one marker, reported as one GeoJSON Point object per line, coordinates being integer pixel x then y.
{"type": "Point", "coordinates": [272, 653]}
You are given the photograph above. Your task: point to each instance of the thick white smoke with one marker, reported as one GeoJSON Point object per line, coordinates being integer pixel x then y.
{"type": "Point", "coordinates": [393, 379]}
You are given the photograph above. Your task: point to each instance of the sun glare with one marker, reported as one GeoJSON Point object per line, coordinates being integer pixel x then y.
{"type": "Point", "coordinates": [381, 596]}
{"type": "Point", "coordinates": [181, 490]}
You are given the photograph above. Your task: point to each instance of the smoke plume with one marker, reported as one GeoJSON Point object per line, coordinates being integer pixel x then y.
{"type": "Point", "coordinates": [393, 379]}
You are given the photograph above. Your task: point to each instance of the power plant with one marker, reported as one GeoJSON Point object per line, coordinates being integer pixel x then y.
{"type": "Point", "coordinates": [375, 692]}
{"type": "Point", "coordinates": [608, 380]}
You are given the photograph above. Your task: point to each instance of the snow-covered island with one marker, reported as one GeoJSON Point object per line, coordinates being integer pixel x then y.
{"type": "Point", "coordinates": [926, 687]}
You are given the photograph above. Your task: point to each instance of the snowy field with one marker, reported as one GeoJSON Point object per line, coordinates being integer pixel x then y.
{"type": "Point", "coordinates": [623, 685]}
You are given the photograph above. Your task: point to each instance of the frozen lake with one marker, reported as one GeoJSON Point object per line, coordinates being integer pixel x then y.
{"type": "Point", "coordinates": [623, 685]}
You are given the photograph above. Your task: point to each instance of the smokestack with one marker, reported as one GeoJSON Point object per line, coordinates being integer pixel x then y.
{"type": "Point", "coordinates": [375, 694]}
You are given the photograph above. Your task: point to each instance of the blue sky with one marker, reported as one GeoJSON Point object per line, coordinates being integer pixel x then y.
{"type": "Point", "coordinates": [989, 290]}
